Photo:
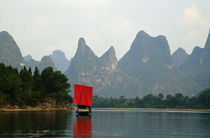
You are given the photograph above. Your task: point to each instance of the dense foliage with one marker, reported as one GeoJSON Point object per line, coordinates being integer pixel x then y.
{"type": "Point", "coordinates": [159, 101]}
{"type": "Point", "coordinates": [27, 88]}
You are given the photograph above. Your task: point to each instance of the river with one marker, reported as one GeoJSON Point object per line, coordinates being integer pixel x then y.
{"type": "Point", "coordinates": [106, 123]}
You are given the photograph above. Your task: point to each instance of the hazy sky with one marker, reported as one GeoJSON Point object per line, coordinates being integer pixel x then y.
{"type": "Point", "coordinates": [42, 26]}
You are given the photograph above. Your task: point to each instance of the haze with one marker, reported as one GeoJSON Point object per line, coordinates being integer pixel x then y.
{"type": "Point", "coordinates": [42, 26]}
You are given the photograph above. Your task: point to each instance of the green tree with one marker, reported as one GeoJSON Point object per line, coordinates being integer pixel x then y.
{"type": "Point", "coordinates": [25, 89]}
{"type": "Point", "coordinates": [179, 99]}
{"type": "Point", "coordinates": [37, 80]}
{"type": "Point", "coordinates": [149, 100]}
{"type": "Point", "coordinates": [54, 81]}
{"type": "Point", "coordinates": [26, 76]}
{"type": "Point", "coordinates": [204, 98]}
{"type": "Point", "coordinates": [160, 99]}
{"type": "Point", "coordinates": [169, 101]}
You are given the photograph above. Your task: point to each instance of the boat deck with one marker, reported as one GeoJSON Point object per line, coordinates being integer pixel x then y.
{"type": "Point", "coordinates": [83, 111]}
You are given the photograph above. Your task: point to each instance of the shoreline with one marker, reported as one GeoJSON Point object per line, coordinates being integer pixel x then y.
{"type": "Point", "coordinates": [28, 109]}
{"type": "Point", "coordinates": [163, 109]}
{"type": "Point", "coordinates": [36, 109]}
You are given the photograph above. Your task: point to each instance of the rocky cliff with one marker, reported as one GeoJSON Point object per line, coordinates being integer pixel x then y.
{"type": "Point", "coordinates": [146, 68]}
{"type": "Point", "coordinates": [86, 68]}
{"type": "Point", "coordinates": [9, 51]}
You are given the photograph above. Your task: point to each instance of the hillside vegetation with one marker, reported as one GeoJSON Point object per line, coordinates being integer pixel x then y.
{"type": "Point", "coordinates": [202, 101]}
{"type": "Point", "coordinates": [24, 88]}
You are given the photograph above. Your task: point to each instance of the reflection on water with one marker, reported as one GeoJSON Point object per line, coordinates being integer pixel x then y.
{"type": "Point", "coordinates": [29, 124]}
{"type": "Point", "coordinates": [82, 127]}
{"type": "Point", "coordinates": [106, 123]}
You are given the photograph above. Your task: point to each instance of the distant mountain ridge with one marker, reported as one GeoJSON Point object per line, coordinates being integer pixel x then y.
{"type": "Point", "coordinates": [60, 60]}
{"type": "Point", "coordinates": [148, 67]}
{"type": "Point", "coordinates": [197, 66]}
{"type": "Point", "coordinates": [87, 68]}
{"type": "Point", "coordinates": [149, 62]}
{"type": "Point", "coordinates": [145, 50]}
{"type": "Point", "coordinates": [144, 47]}
{"type": "Point", "coordinates": [10, 55]}
{"type": "Point", "coordinates": [27, 58]}
{"type": "Point", "coordinates": [45, 62]}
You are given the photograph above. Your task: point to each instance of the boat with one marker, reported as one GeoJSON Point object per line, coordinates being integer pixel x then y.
{"type": "Point", "coordinates": [83, 99]}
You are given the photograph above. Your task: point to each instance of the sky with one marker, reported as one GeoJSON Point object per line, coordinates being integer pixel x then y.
{"type": "Point", "coordinates": [41, 26]}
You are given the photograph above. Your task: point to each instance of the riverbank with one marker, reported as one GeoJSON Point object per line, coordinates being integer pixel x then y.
{"type": "Point", "coordinates": [164, 109]}
{"type": "Point", "coordinates": [50, 105]}
{"type": "Point", "coordinates": [36, 109]}
{"type": "Point", "coordinates": [28, 108]}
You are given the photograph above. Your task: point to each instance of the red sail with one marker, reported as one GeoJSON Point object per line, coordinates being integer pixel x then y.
{"type": "Point", "coordinates": [83, 95]}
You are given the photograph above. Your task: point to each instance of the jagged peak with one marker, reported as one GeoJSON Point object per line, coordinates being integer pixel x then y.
{"type": "Point", "coordinates": [142, 33]}
{"type": "Point", "coordinates": [179, 57]}
{"type": "Point", "coordinates": [180, 51]}
{"type": "Point", "coordinates": [27, 57]}
{"type": "Point", "coordinates": [109, 53]}
{"type": "Point", "coordinates": [144, 45]}
{"type": "Point", "coordinates": [196, 50]}
{"type": "Point", "coordinates": [5, 36]}
{"type": "Point", "coordinates": [58, 52]}
{"type": "Point", "coordinates": [4, 33]}
{"type": "Point", "coordinates": [46, 61]}
{"type": "Point", "coordinates": [109, 59]}
{"type": "Point", "coordinates": [46, 58]}
{"type": "Point", "coordinates": [82, 46]}
{"type": "Point", "coordinates": [142, 36]}
{"type": "Point", "coordinates": [81, 42]}
{"type": "Point", "coordinates": [111, 50]}
{"type": "Point", "coordinates": [84, 49]}
{"type": "Point", "coordinates": [161, 37]}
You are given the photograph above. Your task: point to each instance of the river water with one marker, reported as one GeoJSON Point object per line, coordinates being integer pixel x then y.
{"type": "Point", "coordinates": [106, 123]}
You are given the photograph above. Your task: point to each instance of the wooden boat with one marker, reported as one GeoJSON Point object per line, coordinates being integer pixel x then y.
{"type": "Point", "coordinates": [83, 99]}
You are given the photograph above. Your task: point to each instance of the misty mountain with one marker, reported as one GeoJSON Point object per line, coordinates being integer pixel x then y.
{"type": "Point", "coordinates": [45, 62]}
{"type": "Point", "coordinates": [9, 51]}
{"type": "Point", "coordinates": [86, 68]}
{"type": "Point", "coordinates": [10, 54]}
{"type": "Point", "coordinates": [32, 63]}
{"type": "Point", "coordinates": [179, 57]}
{"type": "Point", "coordinates": [27, 58]}
{"type": "Point", "coordinates": [149, 62]}
{"type": "Point", "coordinates": [197, 66]}
{"type": "Point", "coordinates": [146, 50]}
{"type": "Point", "coordinates": [145, 68]}
{"type": "Point", "coordinates": [60, 60]}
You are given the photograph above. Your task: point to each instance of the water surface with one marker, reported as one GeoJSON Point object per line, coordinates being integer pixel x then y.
{"type": "Point", "coordinates": [106, 123]}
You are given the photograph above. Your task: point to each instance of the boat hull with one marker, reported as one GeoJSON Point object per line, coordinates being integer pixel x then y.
{"type": "Point", "coordinates": [85, 111]}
